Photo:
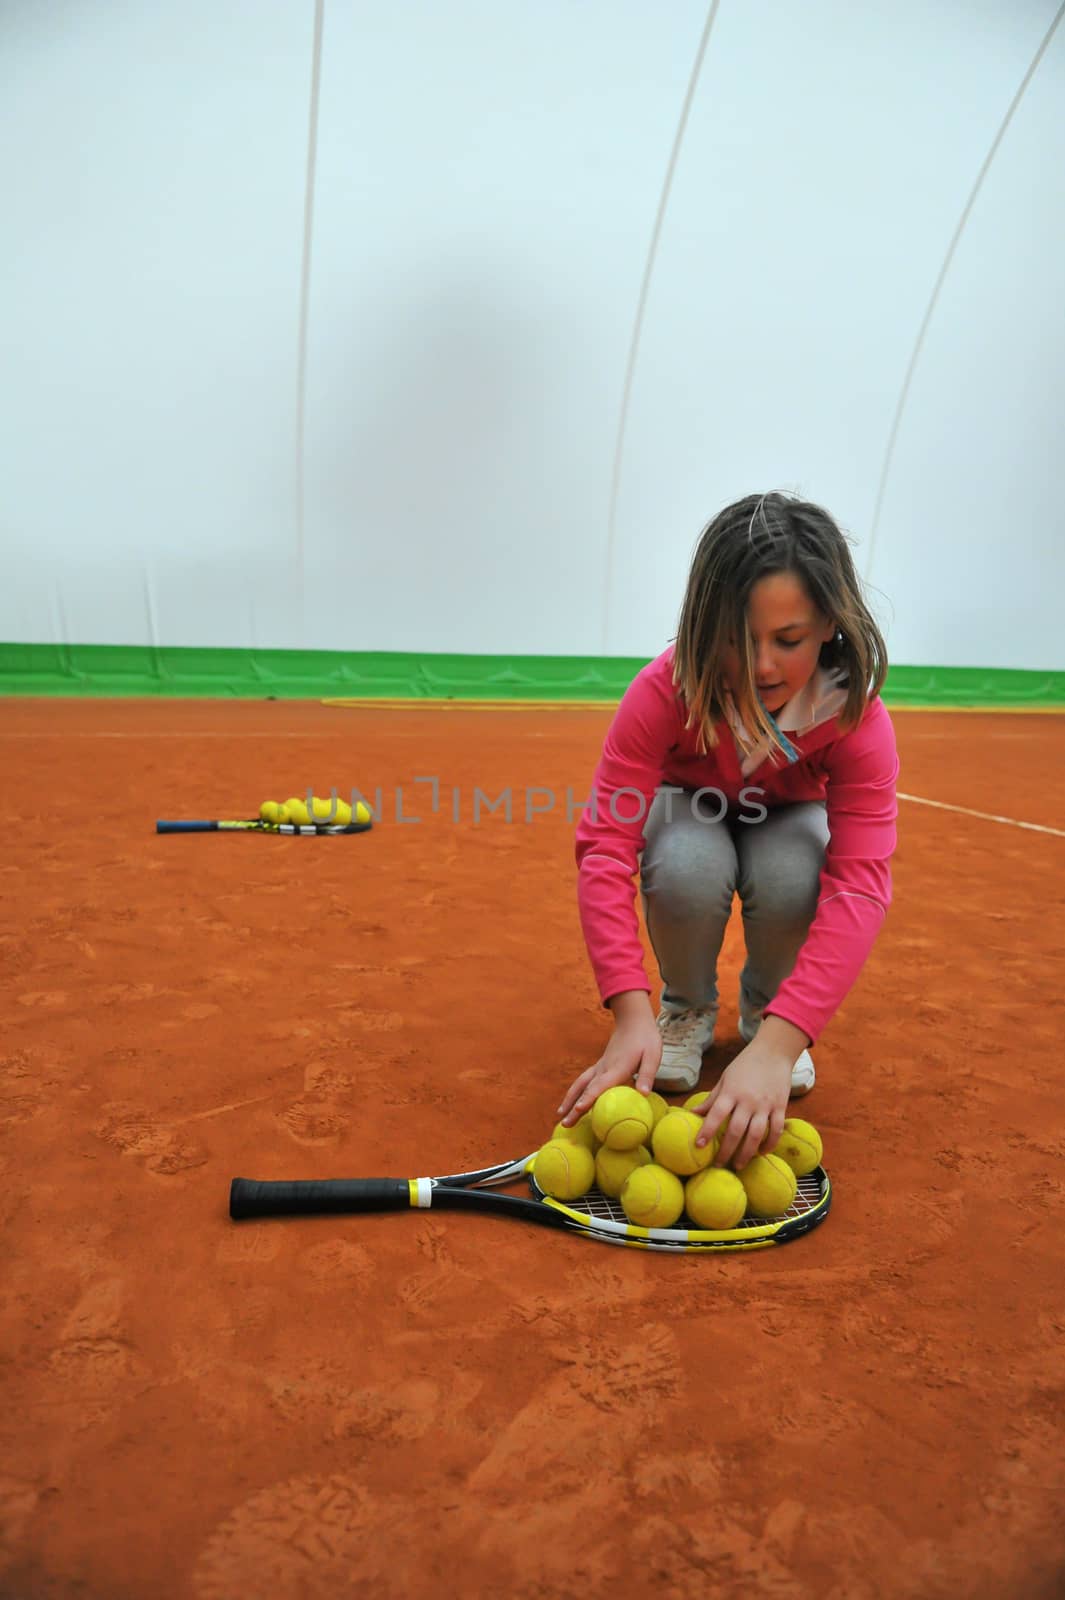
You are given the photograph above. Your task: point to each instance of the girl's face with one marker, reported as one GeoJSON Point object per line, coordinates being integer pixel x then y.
{"type": "Point", "coordinates": [787, 632]}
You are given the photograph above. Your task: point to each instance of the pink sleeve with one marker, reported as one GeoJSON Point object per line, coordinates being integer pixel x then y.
{"type": "Point", "coordinates": [610, 834]}
{"type": "Point", "coordinates": [855, 891]}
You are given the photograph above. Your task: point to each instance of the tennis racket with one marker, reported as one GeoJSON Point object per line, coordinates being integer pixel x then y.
{"type": "Point", "coordinates": [593, 1216]}
{"type": "Point", "coordinates": [256, 825]}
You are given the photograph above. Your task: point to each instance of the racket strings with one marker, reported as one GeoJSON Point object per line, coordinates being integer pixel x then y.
{"type": "Point", "coordinates": [602, 1208]}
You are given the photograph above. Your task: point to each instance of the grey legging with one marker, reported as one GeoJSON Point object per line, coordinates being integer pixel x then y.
{"type": "Point", "coordinates": [690, 870]}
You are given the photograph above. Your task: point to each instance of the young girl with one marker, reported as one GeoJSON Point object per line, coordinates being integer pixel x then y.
{"type": "Point", "coordinates": [754, 757]}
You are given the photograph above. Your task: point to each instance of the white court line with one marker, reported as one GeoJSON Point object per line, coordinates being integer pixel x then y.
{"type": "Point", "coordinates": [985, 816]}
{"type": "Point", "coordinates": [216, 1111]}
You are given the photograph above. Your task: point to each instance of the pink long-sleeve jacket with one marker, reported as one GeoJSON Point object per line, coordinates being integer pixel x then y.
{"type": "Point", "coordinates": [647, 746]}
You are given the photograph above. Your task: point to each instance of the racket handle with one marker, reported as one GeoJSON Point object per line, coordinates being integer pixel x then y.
{"type": "Point", "coordinates": [249, 1198]}
{"type": "Point", "coordinates": [186, 827]}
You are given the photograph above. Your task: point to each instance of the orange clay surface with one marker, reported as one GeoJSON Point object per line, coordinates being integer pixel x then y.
{"type": "Point", "coordinates": [428, 1404]}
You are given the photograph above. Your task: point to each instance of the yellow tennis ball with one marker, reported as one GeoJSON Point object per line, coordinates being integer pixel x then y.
{"type": "Point", "coordinates": [673, 1143]}
{"type": "Point", "coordinates": [622, 1118]}
{"type": "Point", "coordinates": [659, 1106]}
{"type": "Point", "coordinates": [581, 1132]}
{"type": "Point", "coordinates": [690, 1104]}
{"type": "Point", "coordinates": [652, 1197]}
{"type": "Point", "coordinates": [324, 810]}
{"type": "Point", "coordinates": [715, 1198]}
{"type": "Point", "coordinates": [563, 1169]}
{"type": "Point", "coordinates": [339, 815]}
{"type": "Point", "coordinates": [800, 1146]}
{"type": "Point", "coordinates": [345, 816]}
{"type": "Point", "coordinates": [297, 811]}
{"type": "Point", "coordinates": [699, 1099]}
{"type": "Point", "coordinates": [612, 1167]}
{"type": "Point", "coordinates": [270, 811]}
{"type": "Point", "coordinates": [770, 1186]}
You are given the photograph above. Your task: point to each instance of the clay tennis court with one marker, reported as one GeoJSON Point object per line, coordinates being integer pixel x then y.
{"type": "Point", "coordinates": [417, 1405]}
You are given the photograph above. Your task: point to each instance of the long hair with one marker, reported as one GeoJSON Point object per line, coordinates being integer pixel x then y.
{"type": "Point", "coordinates": [747, 541]}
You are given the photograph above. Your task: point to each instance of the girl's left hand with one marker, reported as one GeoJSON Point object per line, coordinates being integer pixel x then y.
{"type": "Point", "coordinates": [752, 1096]}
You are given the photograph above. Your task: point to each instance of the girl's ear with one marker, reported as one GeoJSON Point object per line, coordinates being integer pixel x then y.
{"type": "Point", "coordinates": [828, 632]}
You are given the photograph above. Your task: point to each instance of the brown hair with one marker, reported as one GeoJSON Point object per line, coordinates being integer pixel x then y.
{"type": "Point", "coordinates": [756, 536]}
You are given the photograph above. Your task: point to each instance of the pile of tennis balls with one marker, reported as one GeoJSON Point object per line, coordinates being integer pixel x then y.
{"type": "Point", "coordinates": [640, 1150]}
{"type": "Point", "coordinates": [319, 811]}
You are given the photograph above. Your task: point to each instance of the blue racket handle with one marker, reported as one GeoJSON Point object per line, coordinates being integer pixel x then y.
{"type": "Point", "coordinates": [186, 827]}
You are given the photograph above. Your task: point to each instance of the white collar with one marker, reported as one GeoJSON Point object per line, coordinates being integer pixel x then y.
{"type": "Point", "coordinates": [819, 700]}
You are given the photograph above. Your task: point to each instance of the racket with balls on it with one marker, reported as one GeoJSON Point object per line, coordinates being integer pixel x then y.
{"type": "Point", "coordinates": [593, 1216]}
{"type": "Point", "coordinates": [290, 817]}
{"type": "Point", "coordinates": [257, 825]}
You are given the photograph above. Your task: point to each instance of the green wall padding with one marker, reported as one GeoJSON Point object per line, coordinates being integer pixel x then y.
{"type": "Point", "coordinates": [108, 670]}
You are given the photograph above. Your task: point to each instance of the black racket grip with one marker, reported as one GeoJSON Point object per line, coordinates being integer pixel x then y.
{"type": "Point", "coordinates": [249, 1198]}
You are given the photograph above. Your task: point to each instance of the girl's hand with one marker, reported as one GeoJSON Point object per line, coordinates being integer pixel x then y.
{"type": "Point", "coordinates": [752, 1096]}
{"type": "Point", "coordinates": [634, 1052]}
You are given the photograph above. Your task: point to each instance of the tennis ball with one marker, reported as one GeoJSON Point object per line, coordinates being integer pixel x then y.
{"type": "Point", "coordinates": [563, 1169]}
{"type": "Point", "coordinates": [694, 1100]}
{"type": "Point", "coordinates": [652, 1197]}
{"type": "Point", "coordinates": [339, 816]}
{"type": "Point", "coordinates": [800, 1146]}
{"type": "Point", "coordinates": [622, 1118]}
{"type": "Point", "coordinates": [612, 1167]}
{"type": "Point", "coordinates": [270, 811]}
{"type": "Point", "coordinates": [581, 1132]}
{"type": "Point", "coordinates": [673, 1143]}
{"type": "Point", "coordinates": [324, 811]}
{"type": "Point", "coordinates": [770, 1186]}
{"type": "Point", "coordinates": [715, 1198]}
{"type": "Point", "coordinates": [297, 811]}
{"type": "Point", "coordinates": [659, 1107]}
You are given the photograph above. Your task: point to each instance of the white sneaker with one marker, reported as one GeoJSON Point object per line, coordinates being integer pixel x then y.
{"type": "Point", "coordinates": [685, 1035]}
{"type": "Point", "coordinates": [803, 1076]}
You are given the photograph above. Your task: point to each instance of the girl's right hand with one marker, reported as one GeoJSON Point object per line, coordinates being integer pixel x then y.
{"type": "Point", "coordinates": [634, 1053]}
